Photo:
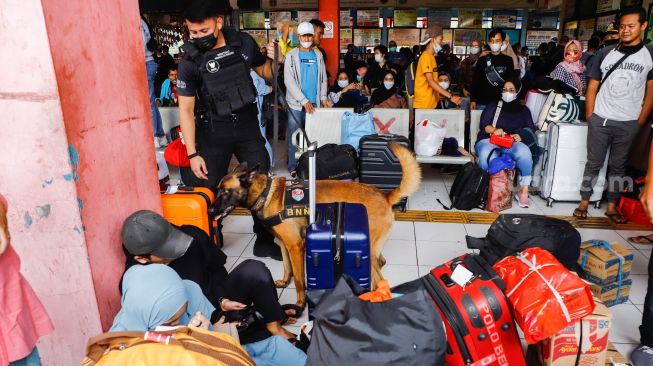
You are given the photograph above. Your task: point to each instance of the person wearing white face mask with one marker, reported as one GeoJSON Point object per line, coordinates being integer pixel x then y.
{"type": "Point", "coordinates": [490, 72]}
{"type": "Point", "coordinates": [427, 89]}
{"type": "Point", "coordinates": [345, 93]}
{"type": "Point", "coordinates": [306, 84]}
{"type": "Point", "coordinates": [445, 82]}
{"type": "Point", "coordinates": [374, 77]}
{"type": "Point", "coordinates": [387, 96]}
{"type": "Point", "coordinates": [508, 117]}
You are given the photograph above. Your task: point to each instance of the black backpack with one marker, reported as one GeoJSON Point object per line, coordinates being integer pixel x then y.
{"type": "Point", "coordinates": [333, 162]}
{"type": "Point", "coordinates": [512, 233]}
{"type": "Point", "coordinates": [469, 189]}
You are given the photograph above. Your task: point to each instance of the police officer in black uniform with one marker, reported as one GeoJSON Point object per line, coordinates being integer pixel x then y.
{"type": "Point", "coordinates": [217, 103]}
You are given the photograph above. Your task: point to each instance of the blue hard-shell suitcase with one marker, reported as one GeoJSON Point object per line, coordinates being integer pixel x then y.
{"type": "Point", "coordinates": [338, 242]}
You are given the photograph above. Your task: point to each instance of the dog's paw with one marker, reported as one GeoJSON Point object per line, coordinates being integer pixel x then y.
{"type": "Point", "coordinates": [281, 283]}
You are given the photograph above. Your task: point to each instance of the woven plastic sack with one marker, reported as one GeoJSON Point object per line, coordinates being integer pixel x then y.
{"type": "Point", "coordinates": [545, 296]}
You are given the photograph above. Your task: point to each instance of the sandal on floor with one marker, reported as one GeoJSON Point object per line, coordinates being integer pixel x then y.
{"type": "Point", "coordinates": [580, 214]}
{"type": "Point", "coordinates": [641, 239]}
{"type": "Point", "coordinates": [617, 218]}
{"type": "Point", "coordinates": [298, 312]}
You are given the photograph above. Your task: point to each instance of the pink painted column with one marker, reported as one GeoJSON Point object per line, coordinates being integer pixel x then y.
{"type": "Point", "coordinates": [99, 63]}
{"type": "Point", "coordinates": [76, 155]}
{"type": "Point", "coordinates": [44, 215]}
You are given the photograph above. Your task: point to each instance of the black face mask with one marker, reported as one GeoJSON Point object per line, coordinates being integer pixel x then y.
{"type": "Point", "coordinates": [204, 43]}
{"type": "Point", "coordinates": [610, 42]}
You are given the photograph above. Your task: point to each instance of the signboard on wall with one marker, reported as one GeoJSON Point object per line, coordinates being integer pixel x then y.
{"type": "Point", "coordinates": [603, 6]}
{"type": "Point", "coordinates": [504, 19]}
{"type": "Point", "coordinates": [470, 18]}
{"type": "Point", "coordinates": [345, 18]}
{"type": "Point", "coordinates": [543, 21]}
{"type": "Point", "coordinates": [306, 16]}
{"type": "Point", "coordinates": [288, 4]}
{"type": "Point", "coordinates": [570, 29]}
{"type": "Point", "coordinates": [260, 36]}
{"type": "Point", "coordinates": [345, 37]}
{"type": "Point", "coordinates": [603, 22]}
{"type": "Point", "coordinates": [479, 4]}
{"type": "Point", "coordinates": [404, 37]}
{"type": "Point", "coordinates": [463, 37]}
{"type": "Point", "coordinates": [586, 28]}
{"type": "Point", "coordinates": [447, 36]}
{"type": "Point", "coordinates": [367, 37]}
{"type": "Point", "coordinates": [535, 37]}
{"type": "Point", "coordinates": [367, 18]}
{"type": "Point", "coordinates": [253, 20]}
{"type": "Point", "coordinates": [441, 18]}
{"type": "Point", "coordinates": [405, 18]}
{"type": "Point", "coordinates": [279, 16]}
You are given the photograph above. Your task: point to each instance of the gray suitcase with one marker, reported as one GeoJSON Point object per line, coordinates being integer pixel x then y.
{"type": "Point", "coordinates": [564, 162]}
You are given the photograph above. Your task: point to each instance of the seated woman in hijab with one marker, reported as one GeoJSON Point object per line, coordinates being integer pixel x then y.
{"type": "Point", "coordinates": [388, 96]}
{"type": "Point", "coordinates": [154, 295]}
{"type": "Point", "coordinates": [514, 120]}
{"type": "Point", "coordinates": [345, 93]}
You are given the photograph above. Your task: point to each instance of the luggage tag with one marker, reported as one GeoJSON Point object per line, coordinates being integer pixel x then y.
{"type": "Point", "coordinates": [462, 276]}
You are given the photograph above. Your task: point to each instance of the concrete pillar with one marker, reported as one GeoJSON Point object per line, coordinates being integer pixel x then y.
{"type": "Point", "coordinates": [76, 155]}
{"type": "Point", "coordinates": [329, 11]}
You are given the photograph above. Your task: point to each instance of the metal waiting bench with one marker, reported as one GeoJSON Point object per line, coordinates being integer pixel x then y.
{"type": "Point", "coordinates": [323, 126]}
{"type": "Point", "coordinates": [454, 120]}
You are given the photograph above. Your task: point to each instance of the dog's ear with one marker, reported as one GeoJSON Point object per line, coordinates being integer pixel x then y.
{"type": "Point", "coordinates": [242, 167]}
{"type": "Point", "coordinates": [251, 173]}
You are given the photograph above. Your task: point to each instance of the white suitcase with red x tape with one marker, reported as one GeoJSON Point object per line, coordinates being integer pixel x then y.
{"type": "Point", "coordinates": [378, 165]}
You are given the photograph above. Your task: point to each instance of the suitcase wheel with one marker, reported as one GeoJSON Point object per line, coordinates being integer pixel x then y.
{"type": "Point", "coordinates": [597, 205]}
{"type": "Point", "coordinates": [549, 202]}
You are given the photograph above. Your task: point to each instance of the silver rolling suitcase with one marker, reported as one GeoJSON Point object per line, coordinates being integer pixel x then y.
{"type": "Point", "coordinates": [563, 164]}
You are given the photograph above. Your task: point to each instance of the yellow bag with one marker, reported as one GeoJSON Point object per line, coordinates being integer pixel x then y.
{"type": "Point", "coordinates": [179, 347]}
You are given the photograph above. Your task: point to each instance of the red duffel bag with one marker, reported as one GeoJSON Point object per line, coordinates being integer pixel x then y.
{"type": "Point", "coordinates": [545, 296]}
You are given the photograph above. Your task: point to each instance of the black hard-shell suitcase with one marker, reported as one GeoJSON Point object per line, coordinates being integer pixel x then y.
{"type": "Point", "coordinates": [379, 166]}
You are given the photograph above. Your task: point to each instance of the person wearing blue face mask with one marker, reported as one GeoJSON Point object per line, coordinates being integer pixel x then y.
{"type": "Point", "coordinates": [346, 94]}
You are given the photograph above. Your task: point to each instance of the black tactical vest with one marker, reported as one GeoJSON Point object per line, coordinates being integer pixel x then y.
{"type": "Point", "coordinates": [227, 87]}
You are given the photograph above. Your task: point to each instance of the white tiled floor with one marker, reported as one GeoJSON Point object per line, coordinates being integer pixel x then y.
{"type": "Point", "coordinates": [415, 247]}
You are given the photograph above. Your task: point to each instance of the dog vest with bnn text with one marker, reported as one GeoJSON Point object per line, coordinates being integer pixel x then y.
{"type": "Point", "coordinates": [295, 203]}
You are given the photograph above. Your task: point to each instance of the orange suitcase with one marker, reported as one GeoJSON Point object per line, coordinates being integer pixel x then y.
{"type": "Point", "coordinates": [190, 206]}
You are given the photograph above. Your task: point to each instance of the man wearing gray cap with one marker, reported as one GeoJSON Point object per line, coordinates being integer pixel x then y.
{"type": "Point", "coordinates": [148, 238]}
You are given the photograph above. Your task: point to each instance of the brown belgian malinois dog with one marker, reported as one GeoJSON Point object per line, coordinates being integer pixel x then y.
{"type": "Point", "coordinates": [244, 187]}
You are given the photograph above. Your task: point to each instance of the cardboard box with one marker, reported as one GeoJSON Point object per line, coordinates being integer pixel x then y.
{"type": "Point", "coordinates": [614, 355]}
{"type": "Point", "coordinates": [562, 349]}
{"type": "Point", "coordinates": [601, 266]}
{"type": "Point", "coordinates": [608, 294]}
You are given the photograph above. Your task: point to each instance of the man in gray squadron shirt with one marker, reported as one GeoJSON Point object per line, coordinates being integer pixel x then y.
{"type": "Point", "coordinates": [619, 100]}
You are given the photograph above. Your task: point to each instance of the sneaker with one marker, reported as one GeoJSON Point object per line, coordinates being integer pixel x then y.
{"type": "Point", "coordinates": [264, 250]}
{"type": "Point", "coordinates": [163, 141]}
{"type": "Point", "coordinates": [522, 199]}
{"type": "Point", "coordinates": [642, 356]}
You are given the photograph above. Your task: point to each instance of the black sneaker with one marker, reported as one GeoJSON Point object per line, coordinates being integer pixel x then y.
{"type": "Point", "coordinates": [264, 250]}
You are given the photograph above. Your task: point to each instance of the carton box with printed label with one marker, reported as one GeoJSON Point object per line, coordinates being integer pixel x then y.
{"type": "Point", "coordinates": [590, 335]}
{"type": "Point", "coordinates": [602, 265]}
{"type": "Point", "coordinates": [608, 294]}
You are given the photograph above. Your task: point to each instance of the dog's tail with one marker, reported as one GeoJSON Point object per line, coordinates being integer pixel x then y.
{"type": "Point", "coordinates": [411, 174]}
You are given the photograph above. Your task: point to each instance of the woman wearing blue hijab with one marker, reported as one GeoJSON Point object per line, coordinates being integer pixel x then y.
{"type": "Point", "coordinates": [155, 295]}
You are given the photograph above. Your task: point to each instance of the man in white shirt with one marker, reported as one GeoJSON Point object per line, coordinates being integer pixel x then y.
{"type": "Point", "coordinates": [619, 100]}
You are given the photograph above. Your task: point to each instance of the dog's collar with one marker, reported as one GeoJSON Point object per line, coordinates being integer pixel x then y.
{"type": "Point", "coordinates": [264, 195]}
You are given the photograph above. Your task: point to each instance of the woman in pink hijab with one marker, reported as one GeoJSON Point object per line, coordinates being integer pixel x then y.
{"type": "Point", "coordinates": [22, 316]}
{"type": "Point", "coordinates": [571, 72]}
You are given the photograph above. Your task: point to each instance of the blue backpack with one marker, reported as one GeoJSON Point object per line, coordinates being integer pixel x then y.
{"type": "Point", "coordinates": [354, 126]}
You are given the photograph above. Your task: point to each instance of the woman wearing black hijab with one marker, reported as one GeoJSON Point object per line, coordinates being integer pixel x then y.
{"type": "Point", "coordinates": [387, 96]}
{"type": "Point", "coordinates": [511, 120]}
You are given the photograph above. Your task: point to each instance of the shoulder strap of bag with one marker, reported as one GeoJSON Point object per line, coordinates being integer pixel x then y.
{"type": "Point", "coordinates": [497, 113]}
{"type": "Point", "coordinates": [614, 67]}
